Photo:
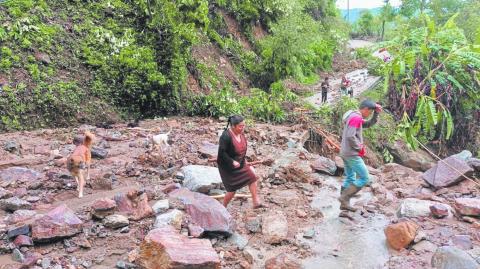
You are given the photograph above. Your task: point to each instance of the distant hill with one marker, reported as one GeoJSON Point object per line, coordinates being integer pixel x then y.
{"type": "Point", "coordinates": [356, 12]}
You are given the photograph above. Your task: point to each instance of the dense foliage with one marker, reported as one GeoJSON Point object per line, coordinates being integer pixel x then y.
{"type": "Point", "coordinates": [63, 59]}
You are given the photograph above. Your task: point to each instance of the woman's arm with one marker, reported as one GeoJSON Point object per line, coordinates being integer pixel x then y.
{"type": "Point", "coordinates": [224, 144]}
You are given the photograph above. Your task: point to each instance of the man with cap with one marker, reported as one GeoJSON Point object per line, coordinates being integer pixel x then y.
{"type": "Point", "coordinates": [352, 150]}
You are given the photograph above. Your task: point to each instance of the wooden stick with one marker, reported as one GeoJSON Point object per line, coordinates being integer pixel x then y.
{"type": "Point", "coordinates": [240, 195]}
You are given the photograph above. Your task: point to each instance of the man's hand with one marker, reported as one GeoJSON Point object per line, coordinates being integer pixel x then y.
{"type": "Point", "coordinates": [378, 108]}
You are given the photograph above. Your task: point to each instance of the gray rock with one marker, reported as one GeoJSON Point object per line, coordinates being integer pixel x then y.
{"type": "Point", "coordinates": [99, 153]}
{"type": "Point", "coordinates": [412, 208]}
{"type": "Point", "coordinates": [424, 246]}
{"type": "Point", "coordinates": [216, 192]}
{"type": "Point", "coordinates": [201, 178]}
{"type": "Point", "coordinates": [161, 206]}
{"type": "Point", "coordinates": [14, 203]}
{"type": "Point", "coordinates": [173, 218]}
{"type": "Point", "coordinates": [254, 224]}
{"type": "Point", "coordinates": [309, 234]}
{"type": "Point", "coordinates": [462, 241]}
{"type": "Point", "coordinates": [115, 221]}
{"type": "Point", "coordinates": [449, 257]}
{"type": "Point", "coordinates": [443, 175]}
{"type": "Point", "coordinates": [324, 165]}
{"type": "Point", "coordinates": [45, 263]}
{"type": "Point", "coordinates": [208, 149]}
{"type": "Point", "coordinates": [11, 146]}
{"type": "Point", "coordinates": [418, 160]}
{"type": "Point", "coordinates": [17, 255]}
{"type": "Point", "coordinates": [464, 155]}
{"type": "Point", "coordinates": [19, 174]}
{"type": "Point", "coordinates": [238, 240]}
{"type": "Point", "coordinates": [474, 163]}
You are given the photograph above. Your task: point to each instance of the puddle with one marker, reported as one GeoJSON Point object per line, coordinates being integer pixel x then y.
{"type": "Point", "coordinates": [341, 244]}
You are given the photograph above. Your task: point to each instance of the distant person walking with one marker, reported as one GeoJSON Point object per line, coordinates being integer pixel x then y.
{"type": "Point", "coordinates": [346, 83]}
{"type": "Point", "coordinates": [325, 87]}
{"type": "Point", "coordinates": [352, 150]}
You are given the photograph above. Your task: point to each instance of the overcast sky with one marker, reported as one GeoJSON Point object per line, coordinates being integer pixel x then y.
{"type": "Point", "coordinates": [342, 4]}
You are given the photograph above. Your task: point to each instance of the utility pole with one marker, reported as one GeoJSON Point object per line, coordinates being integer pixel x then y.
{"type": "Point", "coordinates": [348, 11]}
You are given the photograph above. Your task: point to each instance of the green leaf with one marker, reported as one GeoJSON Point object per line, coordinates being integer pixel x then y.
{"type": "Point", "coordinates": [431, 113]}
{"type": "Point", "coordinates": [449, 119]}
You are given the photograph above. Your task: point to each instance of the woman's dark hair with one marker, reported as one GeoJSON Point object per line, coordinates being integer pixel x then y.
{"type": "Point", "coordinates": [234, 120]}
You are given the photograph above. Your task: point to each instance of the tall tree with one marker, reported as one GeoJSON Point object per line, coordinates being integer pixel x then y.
{"type": "Point", "coordinates": [387, 14]}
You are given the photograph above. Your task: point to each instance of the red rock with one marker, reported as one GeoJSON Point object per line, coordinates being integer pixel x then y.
{"type": "Point", "coordinates": [439, 210]}
{"type": "Point", "coordinates": [165, 248]}
{"type": "Point", "coordinates": [282, 261]}
{"type": "Point", "coordinates": [59, 223]}
{"type": "Point", "coordinates": [23, 240]}
{"type": "Point", "coordinates": [468, 206]}
{"type": "Point", "coordinates": [205, 211]}
{"type": "Point", "coordinates": [20, 192]}
{"type": "Point", "coordinates": [135, 206]}
{"type": "Point", "coordinates": [171, 187]}
{"type": "Point", "coordinates": [103, 207]}
{"type": "Point", "coordinates": [401, 234]}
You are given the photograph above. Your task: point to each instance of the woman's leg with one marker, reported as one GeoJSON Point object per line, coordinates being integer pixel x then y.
{"type": "Point", "coordinates": [228, 197]}
{"type": "Point", "coordinates": [253, 191]}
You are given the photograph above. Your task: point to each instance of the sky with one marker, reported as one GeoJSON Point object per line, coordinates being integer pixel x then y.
{"type": "Point", "coordinates": [342, 4]}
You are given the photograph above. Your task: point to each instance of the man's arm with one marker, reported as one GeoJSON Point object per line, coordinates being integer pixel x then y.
{"type": "Point", "coordinates": [372, 121]}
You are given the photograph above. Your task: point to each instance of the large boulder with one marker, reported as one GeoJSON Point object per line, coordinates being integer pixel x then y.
{"type": "Point", "coordinates": [324, 165]}
{"type": "Point", "coordinates": [208, 149]}
{"type": "Point", "coordinates": [400, 235]}
{"type": "Point", "coordinates": [413, 208]}
{"type": "Point", "coordinates": [468, 206]}
{"type": "Point", "coordinates": [443, 173]}
{"type": "Point", "coordinates": [418, 160]}
{"type": "Point", "coordinates": [165, 248]}
{"type": "Point", "coordinates": [59, 223]}
{"type": "Point", "coordinates": [205, 211]}
{"type": "Point", "coordinates": [449, 257]}
{"type": "Point", "coordinates": [133, 204]}
{"type": "Point", "coordinates": [274, 228]}
{"type": "Point", "coordinates": [19, 174]}
{"type": "Point", "coordinates": [201, 178]}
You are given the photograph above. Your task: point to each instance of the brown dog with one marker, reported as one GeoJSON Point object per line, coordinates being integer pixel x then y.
{"type": "Point", "coordinates": [80, 160]}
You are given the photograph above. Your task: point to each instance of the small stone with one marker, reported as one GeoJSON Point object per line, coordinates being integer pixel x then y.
{"type": "Point", "coordinates": [103, 207]}
{"type": "Point", "coordinates": [301, 213]}
{"type": "Point", "coordinates": [20, 229]}
{"type": "Point", "coordinates": [439, 211]}
{"type": "Point", "coordinates": [99, 153]}
{"type": "Point", "coordinates": [282, 261]}
{"type": "Point", "coordinates": [253, 224]}
{"type": "Point", "coordinates": [115, 221]}
{"type": "Point", "coordinates": [5, 194]}
{"type": "Point", "coordinates": [23, 240]}
{"type": "Point", "coordinates": [11, 146]}
{"type": "Point", "coordinates": [125, 230]}
{"type": "Point", "coordinates": [161, 206]}
{"type": "Point", "coordinates": [309, 234]}
{"type": "Point", "coordinates": [468, 206]}
{"type": "Point", "coordinates": [173, 218]}
{"type": "Point", "coordinates": [46, 263]}
{"type": "Point", "coordinates": [424, 246]}
{"type": "Point", "coordinates": [17, 255]}
{"type": "Point", "coordinates": [275, 228]}
{"type": "Point", "coordinates": [195, 231]}
{"type": "Point", "coordinates": [14, 203]}
{"type": "Point", "coordinates": [238, 240]}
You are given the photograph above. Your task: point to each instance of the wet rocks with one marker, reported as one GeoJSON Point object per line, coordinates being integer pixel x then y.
{"type": "Point", "coordinates": [324, 165]}
{"type": "Point", "coordinates": [103, 207]}
{"type": "Point", "coordinates": [443, 175]}
{"type": "Point", "coordinates": [468, 206]}
{"type": "Point", "coordinates": [173, 218]}
{"type": "Point", "coordinates": [205, 211]}
{"type": "Point", "coordinates": [439, 211]}
{"type": "Point", "coordinates": [449, 257]}
{"type": "Point", "coordinates": [14, 203]}
{"type": "Point", "coordinates": [282, 261]}
{"type": "Point", "coordinates": [400, 235]}
{"type": "Point", "coordinates": [200, 178]}
{"type": "Point", "coordinates": [161, 206]}
{"type": "Point", "coordinates": [59, 223]}
{"type": "Point", "coordinates": [412, 208]}
{"type": "Point", "coordinates": [115, 221]}
{"type": "Point", "coordinates": [274, 228]}
{"type": "Point", "coordinates": [165, 248]}
{"type": "Point", "coordinates": [133, 204]}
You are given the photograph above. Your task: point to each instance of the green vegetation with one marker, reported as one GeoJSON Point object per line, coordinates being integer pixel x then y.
{"type": "Point", "coordinates": [134, 58]}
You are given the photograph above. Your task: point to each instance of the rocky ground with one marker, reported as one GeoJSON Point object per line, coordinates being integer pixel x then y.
{"type": "Point", "coordinates": [147, 205]}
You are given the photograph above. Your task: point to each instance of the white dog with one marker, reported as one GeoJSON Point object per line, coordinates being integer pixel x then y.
{"type": "Point", "coordinates": [160, 139]}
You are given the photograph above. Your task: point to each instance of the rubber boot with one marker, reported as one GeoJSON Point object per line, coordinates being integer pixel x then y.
{"type": "Point", "coordinates": [345, 198]}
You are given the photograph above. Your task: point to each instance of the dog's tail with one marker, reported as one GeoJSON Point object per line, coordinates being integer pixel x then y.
{"type": "Point", "coordinates": [88, 139]}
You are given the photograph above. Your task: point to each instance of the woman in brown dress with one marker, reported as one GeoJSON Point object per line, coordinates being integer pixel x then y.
{"type": "Point", "coordinates": [234, 170]}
